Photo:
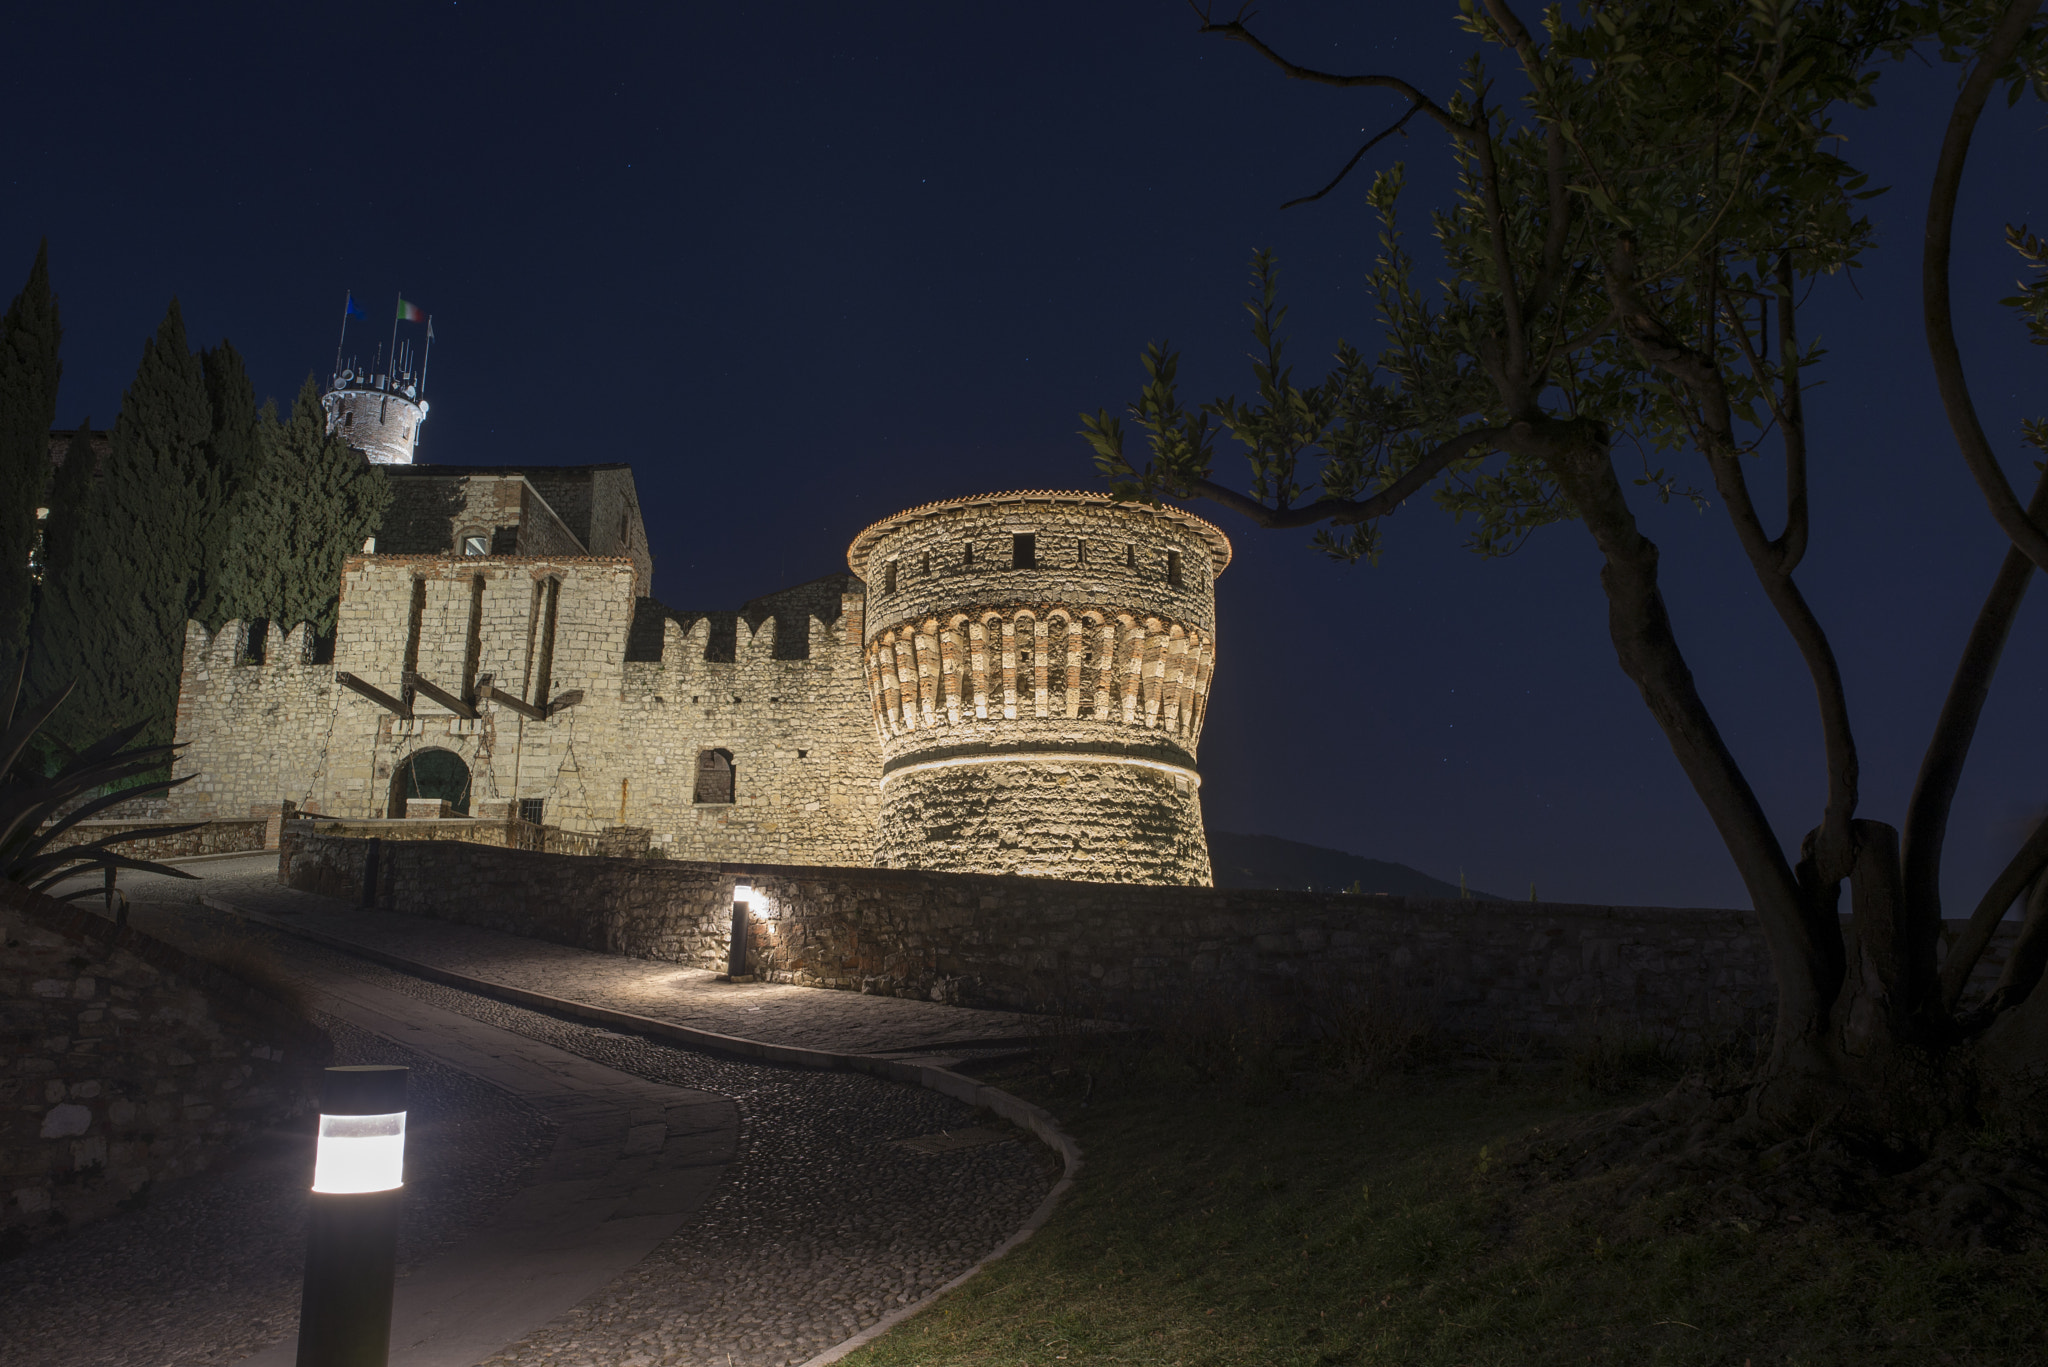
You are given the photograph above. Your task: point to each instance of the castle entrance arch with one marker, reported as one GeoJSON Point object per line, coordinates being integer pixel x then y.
{"type": "Point", "coordinates": [431, 774]}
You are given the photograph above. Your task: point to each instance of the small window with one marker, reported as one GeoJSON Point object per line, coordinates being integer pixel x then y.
{"type": "Point", "coordinates": [803, 754]}
{"type": "Point", "coordinates": [530, 809]}
{"type": "Point", "coordinates": [925, 567]}
{"type": "Point", "coordinates": [1024, 551]}
{"type": "Point", "coordinates": [970, 555]}
{"type": "Point", "coordinates": [889, 577]}
{"type": "Point", "coordinates": [476, 545]}
{"type": "Point", "coordinates": [1173, 569]}
{"type": "Point", "coordinates": [1131, 556]}
{"type": "Point", "coordinates": [714, 776]}
{"type": "Point", "coordinates": [1081, 555]}
{"type": "Point", "coordinates": [348, 420]}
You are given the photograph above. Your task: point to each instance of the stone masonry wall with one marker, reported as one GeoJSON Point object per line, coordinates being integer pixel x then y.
{"type": "Point", "coordinates": [252, 732]}
{"type": "Point", "coordinates": [1115, 950]}
{"type": "Point", "coordinates": [998, 679]}
{"type": "Point", "coordinates": [215, 837]}
{"type": "Point", "coordinates": [803, 749]}
{"type": "Point", "coordinates": [127, 1063]}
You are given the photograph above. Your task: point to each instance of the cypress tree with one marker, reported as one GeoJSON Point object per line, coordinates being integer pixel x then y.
{"type": "Point", "coordinates": [312, 502]}
{"type": "Point", "coordinates": [116, 622]}
{"type": "Point", "coordinates": [236, 453]}
{"type": "Point", "coordinates": [29, 370]}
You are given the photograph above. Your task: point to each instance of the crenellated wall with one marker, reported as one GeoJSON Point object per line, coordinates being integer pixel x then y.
{"type": "Point", "coordinates": [633, 695]}
{"type": "Point", "coordinates": [250, 722]}
{"type": "Point", "coordinates": [969, 707]}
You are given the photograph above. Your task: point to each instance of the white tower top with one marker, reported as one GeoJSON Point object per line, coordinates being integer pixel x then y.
{"type": "Point", "coordinates": [378, 414]}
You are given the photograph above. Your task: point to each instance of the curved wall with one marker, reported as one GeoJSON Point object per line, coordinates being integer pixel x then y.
{"type": "Point", "coordinates": [1041, 718]}
{"type": "Point", "coordinates": [381, 424]}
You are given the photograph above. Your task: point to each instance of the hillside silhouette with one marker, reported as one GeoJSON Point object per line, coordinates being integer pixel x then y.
{"type": "Point", "coordinates": [1267, 861]}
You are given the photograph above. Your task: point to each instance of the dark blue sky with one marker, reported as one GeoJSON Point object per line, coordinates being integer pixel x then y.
{"type": "Point", "coordinates": [805, 265]}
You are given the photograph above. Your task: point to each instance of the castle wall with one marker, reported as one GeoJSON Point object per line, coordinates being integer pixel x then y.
{"type": "Point", "coordinates": [254, 734]}
{"type": "Point", "coordinates": [783, 697]}
{"type": "Point", "coordinates": [804, 754]}
{"type": "Point", "coordinates": [430, 513]}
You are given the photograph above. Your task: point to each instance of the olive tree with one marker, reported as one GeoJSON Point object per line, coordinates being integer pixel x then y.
{"type": "Point", "coordinates": [1645, 192]}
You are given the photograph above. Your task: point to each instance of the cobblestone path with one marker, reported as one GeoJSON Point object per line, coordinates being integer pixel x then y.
{"type": "Point", "coordinates": [821, 1225]}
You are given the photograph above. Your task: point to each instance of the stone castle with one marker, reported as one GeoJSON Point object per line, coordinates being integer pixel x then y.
{"type": "Point", "coordinates": [1007, 683]}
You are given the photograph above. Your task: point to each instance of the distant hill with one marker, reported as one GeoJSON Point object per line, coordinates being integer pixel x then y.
{"type": "Point", "coordinates": [1267, 861]}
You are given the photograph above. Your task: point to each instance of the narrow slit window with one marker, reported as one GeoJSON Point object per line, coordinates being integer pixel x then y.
{"type": "Point", "coordinates": [889, 577]}
{"type": "Point", "coordinates": [925, 567]}
{"type": "Point", "coordinates": [544, 674]}
{"type": "Point", "coordinates": [1131, 556]}
{"type": "Point", "coordinates": [1081, 554]}
{"type": "Point", "coordinates": [1024, 551]}
{"type": "Point", "coordinates": [970, 555]}
{"type": "Point", "coordinates": [1173, 578]}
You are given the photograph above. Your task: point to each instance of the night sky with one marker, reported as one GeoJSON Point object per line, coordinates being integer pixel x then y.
{"type": "Point", "coordinates": [806, 265]}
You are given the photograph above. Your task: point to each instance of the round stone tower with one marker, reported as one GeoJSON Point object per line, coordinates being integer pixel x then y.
{"type": "Point", "coordinates": [379, 415]}
{"type": "Point", "coordinates": [1039, 667]}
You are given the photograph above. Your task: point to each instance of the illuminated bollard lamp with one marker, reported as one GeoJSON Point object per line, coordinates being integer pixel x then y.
{"type": "Point", "coordinates": [352, 1239]}
{"type": "Point", "coordinates": [736, 956]}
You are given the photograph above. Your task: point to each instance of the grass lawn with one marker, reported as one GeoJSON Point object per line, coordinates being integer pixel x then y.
{"type": "Point", "coordinates": [1215, 1223]}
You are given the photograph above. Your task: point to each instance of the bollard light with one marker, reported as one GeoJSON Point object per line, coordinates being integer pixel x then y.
{"type": "Point", "coordinates": [352, 1236]}
{"type": "Point", "coordinates": [360, 1153]}
{"type": "Point", "coordinates": [736, 956]}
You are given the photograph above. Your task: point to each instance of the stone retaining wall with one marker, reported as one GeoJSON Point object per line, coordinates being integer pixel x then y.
{"type": "Point", "coordinates": [127, 1063]}
{"type": "Point", "coordinates": [1115, 950]}
{"type": "Point", "coordinates": [215, 837]}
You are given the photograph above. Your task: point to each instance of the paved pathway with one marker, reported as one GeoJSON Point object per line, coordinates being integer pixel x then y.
{"type": "Point", "coordinates": [813, 1018]}
{"type": "Point", "coordinates": [694, 1210]}
{"type": "Point", "coordinates": [632, 1160]}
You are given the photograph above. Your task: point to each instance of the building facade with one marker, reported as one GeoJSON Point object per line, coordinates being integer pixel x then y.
{"type": "Point", "coordinates": [1012, 683]}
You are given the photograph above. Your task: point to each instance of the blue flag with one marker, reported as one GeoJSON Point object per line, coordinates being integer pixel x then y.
{"type": "Point", "coordinates": [349, 309]}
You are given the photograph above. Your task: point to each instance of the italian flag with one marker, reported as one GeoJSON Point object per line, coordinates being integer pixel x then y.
{"type": "Point", "coordinates": [411, 313]}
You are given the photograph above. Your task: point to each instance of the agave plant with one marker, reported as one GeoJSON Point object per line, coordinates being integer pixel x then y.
{"type": "Point", "coordinates": [29, 853]}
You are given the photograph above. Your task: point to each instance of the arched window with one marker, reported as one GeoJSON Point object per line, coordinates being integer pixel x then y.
{"type": "Point", "coordinates": [714, 776]}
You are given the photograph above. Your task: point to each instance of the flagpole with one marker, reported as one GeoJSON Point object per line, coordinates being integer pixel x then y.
{"type": "Point", "coordinates": [426, 355]}
{"type": "Point", "coordinates": [342, 341]}
{"type": "Point", "coordinates": [391, 369]}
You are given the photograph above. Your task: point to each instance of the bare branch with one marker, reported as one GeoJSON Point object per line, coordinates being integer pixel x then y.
{"type": "Point", "coordinates": [1941, 768]}
{"type": "Point", "coordinates": [1346, 511]}
{"type": "Point", "coordinates": [1236, 32]}
{"type": "Point", "coordinates": [1517, 360]}
{"type": "Point", "coordinates": [2012, 880]}
{"type": "Point", "coordinates": [1791, 411]}
{"type": "Point", "coordinates": [2026, 532]}
{"type": "Point", "coordinates": [1387, 132]}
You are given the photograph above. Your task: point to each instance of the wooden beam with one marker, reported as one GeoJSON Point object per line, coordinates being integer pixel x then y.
{"type": "Point", "coordinates": [569, 699]}
{"type": "Point", "coordinates": [438, 694]}
{"type": "Point", "coordinates": [374, 694]}
{"type": "Point", "coordinates": [490, 693]}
